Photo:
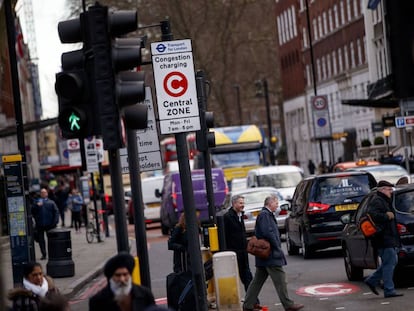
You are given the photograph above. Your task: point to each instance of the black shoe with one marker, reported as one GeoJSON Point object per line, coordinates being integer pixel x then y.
{"type": "Point", "coordinates": [393, 295]}
{"type": "Point", "coordinates": [372, 288]}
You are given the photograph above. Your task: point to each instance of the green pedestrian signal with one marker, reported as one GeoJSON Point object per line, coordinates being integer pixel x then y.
{"type": "Point", "coordinates": [74, 122]}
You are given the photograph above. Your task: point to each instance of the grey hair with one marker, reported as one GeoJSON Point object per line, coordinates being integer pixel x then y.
{"type": "Point", "coordinates": [269, 199]}
{"type": "Point", "coordinates": [235, 198]}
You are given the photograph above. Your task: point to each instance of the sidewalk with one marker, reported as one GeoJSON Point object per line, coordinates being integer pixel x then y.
{"type": "Point", "coordinates": [89, 260]}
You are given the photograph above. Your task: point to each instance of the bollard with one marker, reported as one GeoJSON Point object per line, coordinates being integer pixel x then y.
{"type": "Point", "coordinates": [213, 239]}
{"type": "Point", "coordinates": [226, 280]}
{"type": "Point", "coordinates": [59, 246]}
{"type": "Point", "coordinates": [207, 255]}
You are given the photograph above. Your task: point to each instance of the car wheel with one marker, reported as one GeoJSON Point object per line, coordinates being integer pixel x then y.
{"type": "Point", "coordinates": [307, 252]}
{"type": "Point", "coordinates": [291, 248]}
{"type": "Point", "coordinates": [165, 230]}
{"type": "Point", "coordinates": [353, 273]}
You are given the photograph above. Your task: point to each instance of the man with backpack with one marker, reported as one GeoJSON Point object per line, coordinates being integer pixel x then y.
{"type": "Point", "coordinates": [385, 241]}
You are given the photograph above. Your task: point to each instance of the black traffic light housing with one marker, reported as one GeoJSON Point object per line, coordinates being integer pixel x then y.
{"type": "Point", "coordinates": [73, 84]}
{"type": "Point", "coordinates": [204, 137]}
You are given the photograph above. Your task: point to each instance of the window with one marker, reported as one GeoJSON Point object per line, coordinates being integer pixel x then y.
{"type": "Point", "coordinates": [346, 57]}
{"type": "Point", "coordinates": [308, 75]}
{"type": "Point", "coordinates": [342, 9]}
{"type": "Point", "coordinates": [315, 29]}
{"type": "Point", "coordinates": [279, 30]}
{"type": "Point", "coordinates": [329, 65]}
{"type": "Point", "coordinates": [320, 26]}
{"type": "Point", "coordinates": [352, 48]}
{"type": "Point", "coordinates": [341, 65]}
{"type": "Point", "coordinates": [325, 23]}
{"type": "Point", "coordinates": [359, 52]}
{"type": "Point", "coordinates": [356, 11]}
{"type": "Point", "coordinates": [348, 8]}
{"type": "Point", "coordinates": [323, 68]}
{"type": "Point", "coordinates": [318, 69]}
{"type": "Point", "coordinates": [295, 30]}
{"type": "Point", "coordinates": [336, 16]}
{"type": "Point", "coordinates": [330, 20]}
{"type": "Point", "coordinates": [335, 70]}
{"type": "Point", "coordinates": [305, 37]}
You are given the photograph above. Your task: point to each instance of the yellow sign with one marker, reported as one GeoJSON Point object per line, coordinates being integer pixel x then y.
{"type": "Point", "coordinates": [12, 158]}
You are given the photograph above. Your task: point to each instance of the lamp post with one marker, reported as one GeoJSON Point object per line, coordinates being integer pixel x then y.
{"type": "Point", "coordinates": [262, 90]}
{"type": "Point", "coordinates": [387, 134]}
{"type": "Point", "coordinates": [237, 88]}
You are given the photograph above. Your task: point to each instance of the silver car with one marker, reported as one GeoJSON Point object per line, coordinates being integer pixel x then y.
{"type": "Point", "coordinates": [253, 204]}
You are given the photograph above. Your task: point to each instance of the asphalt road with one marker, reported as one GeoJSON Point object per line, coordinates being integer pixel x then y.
{"type": "Point", "coordinates": [319, 283]}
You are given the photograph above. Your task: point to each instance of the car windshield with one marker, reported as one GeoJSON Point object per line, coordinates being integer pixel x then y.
{"type": "Point", "coordinates": [258, 196]}
{"type": "Point", "coordinates": [404, 202]}
{"type": "Point", "coordinates": [279, 180]}
{"type": "Point", "coordinates": [236, 159]}
{"type": "Point", "coordinates": [334, 190]}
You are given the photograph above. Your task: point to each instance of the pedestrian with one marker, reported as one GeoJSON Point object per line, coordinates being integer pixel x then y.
{"type": "Point", "coordinates": [76, 208]}
{"type": "Point", "coordinates": [120, 294]}
{"type": "Point", "coordinates": [62, 194]}
{"type": "Point", "coordinates": [178, 242]}
{"type": "Point", "coordinates": [266, 228]}
{"type": "Point", "coordinates": [386, 241]}
{"type": "Point", "coordinates": [36, 286]}
{"type": "Point", "coordinates": [46, 216]}
{"type": "Point", "coordinates": [311, 167]}
{"type": "Point", "coordinates": [54, 302]}
{"type": "Point", "coordinates": [236, 239]}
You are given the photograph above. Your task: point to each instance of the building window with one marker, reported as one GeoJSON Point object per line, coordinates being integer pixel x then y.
{"type": "Point", "coordinates": [336, 16]}
{"type": "Point", "coordinates": [352, 48]}
{"type": "Point", "coordinates": [308, 75]}
{"type": "Point", "coordinates": [323, 68]}
{"type": "Point", "coordinates": [295, 30]}
{"type": "Point", "coordinates": [356, 10]}
{"type": "Point", "coordinates": [305, 37]}
{"type": "Point", "coordinates": [342, 9]}
{"type": "Point", "coordinates": [348, 9]}
{"type": "Point", "coordinates": [341, 65]}
{"type": "Point", "coordinates": [302, 5]}
{"type": "Point", "coordinates": [329, 65]}
{"type": "Point", "coordinates": [346, 57]}
{"type": "Point", "coordinates": [318, 69]}
{"type": "Point", "coordinates": [330, 20]}
{"type": "Point", "coordinates": [286, 25]}
{"type": "Point", "coordinates": [320, 26]}
{"type": "Point", "coordinates": [325, 23]}
{"type": "Point", "coordinates": [359, 52]}
{"type": "Point", "coordinates": [315, 29]}
{"type": "Point", "coordinates": [335, 68]}
{"type": "Point", "coordinates": [279, 30]}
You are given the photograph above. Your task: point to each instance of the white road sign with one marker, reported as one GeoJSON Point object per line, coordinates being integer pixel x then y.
{"type": "Point", "coordinates": [320, 115]}
{"type": "Point", "coordinates": [175, 86]}
{"type": "Point", "coordinates": [147, 141]}
{"type": "Point", "coordinates": [91, 155]}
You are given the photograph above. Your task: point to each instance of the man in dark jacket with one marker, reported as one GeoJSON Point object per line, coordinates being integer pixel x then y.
{"type": "Point", "coordinates": [46, 215]}
{"type": "Point", "coordinates": [386, 241]}
{"type": "Point", "coordinates": [120, 294]}
{"type": "Point", "coordinates": [266, 228]}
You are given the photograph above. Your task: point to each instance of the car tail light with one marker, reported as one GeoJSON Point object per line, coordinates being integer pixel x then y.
{"type": "Point", "coordinates": [283, 212]}
{"type": "Point", "coordinates": [107, 199]}
{"type": "Point", "coordinates": [402, 229]}
{"type": "Point", "coordinates": [315, 208]}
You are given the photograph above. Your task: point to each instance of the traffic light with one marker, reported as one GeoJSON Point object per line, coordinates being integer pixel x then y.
{"type": "Point", "coordinates": [72, 85]}
{"type": "Point", "coordinates": [204, 137]}
{"type": "Point", "coordinates": [113, 55]}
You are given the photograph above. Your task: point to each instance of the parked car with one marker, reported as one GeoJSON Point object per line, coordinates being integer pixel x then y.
{"type": "Point", "coordinates": [284, 178]}
{"type": "Point", "coordinates": [358, 252]}
{"type": "Point", "coordinates": [253, 204]}
{"type": "Point", "coordinates": [317, 206]}
{"type": "Point", "coordinates": [152, 203]}
{"type": "Point", "coordinates": [172, 205]}
{"type": "Point", "coordinates": [390, 172]}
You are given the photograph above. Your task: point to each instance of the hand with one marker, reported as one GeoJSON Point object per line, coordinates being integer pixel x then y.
{"type": "Point", "coordinates": [390, 215]}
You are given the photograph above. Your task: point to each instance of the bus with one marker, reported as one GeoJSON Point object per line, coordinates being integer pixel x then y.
{"type": "Point", "coordinates": [169, 149]}
{"type": "Point", "coordinates": [238, 149]}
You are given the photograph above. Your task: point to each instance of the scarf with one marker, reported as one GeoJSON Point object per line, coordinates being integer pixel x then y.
{"type": "Point", "coordinates": [36, 289]}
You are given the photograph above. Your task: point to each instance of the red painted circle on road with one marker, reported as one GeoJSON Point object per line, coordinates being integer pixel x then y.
{"type": "Point", "coordinates": [328, 289]}
{"type": "Point", "coordinates": [175, 84]}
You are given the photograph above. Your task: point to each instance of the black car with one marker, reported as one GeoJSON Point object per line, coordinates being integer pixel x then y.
{"type": "Point", "coordinates": [358, 251]}
{"type": "Point", "coordinates": [317, 206]}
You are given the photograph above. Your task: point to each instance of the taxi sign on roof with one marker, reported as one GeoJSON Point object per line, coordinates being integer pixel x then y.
{"type": "Point", "coordinates": [175, 86]}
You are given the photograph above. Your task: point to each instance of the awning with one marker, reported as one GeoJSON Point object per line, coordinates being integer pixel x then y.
{"type": "Point", "coordinates": [390, 103]}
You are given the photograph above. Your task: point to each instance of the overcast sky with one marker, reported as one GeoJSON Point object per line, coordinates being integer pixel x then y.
{"type": "Point", "coordinates": [46, 15]}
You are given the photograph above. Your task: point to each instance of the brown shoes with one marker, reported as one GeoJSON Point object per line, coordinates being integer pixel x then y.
{"type": "Point", "coordinates": [295, 307]}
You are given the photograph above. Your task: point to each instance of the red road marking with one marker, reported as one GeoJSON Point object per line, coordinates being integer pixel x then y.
{"type": "Point", "coordinates": [328, 289]}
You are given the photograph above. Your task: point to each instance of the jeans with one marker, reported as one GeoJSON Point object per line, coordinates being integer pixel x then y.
{"type": "Point", "coordinates": [385, 271]}
{"type": "Point", "coordinates": [277, 274]}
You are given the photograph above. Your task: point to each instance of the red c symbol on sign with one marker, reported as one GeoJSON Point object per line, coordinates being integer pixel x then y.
{"type": "Point", "coordinates": [175, 84]}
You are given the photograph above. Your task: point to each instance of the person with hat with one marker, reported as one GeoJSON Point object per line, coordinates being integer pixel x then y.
{"type": "Point", "coordinates": [386, 241]}
{"type": "Point", "coordinates": [120, 294]}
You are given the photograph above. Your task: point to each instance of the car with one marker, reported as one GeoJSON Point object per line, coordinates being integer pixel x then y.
{"type": "Point", "coordinates": [283, 177]}
{"type": "Point", "coordinates": [317, 206]}
{"type": "Point", "coordinates": [253, 203]}
{"type": "Point", "coordinates": [358, 252]}
{"type": "Point", "coordinates": [393, 173]}
{"type": "Point", "coordinates": [152, 203]}
{"type": "Point", "coordinates": [238, 184]}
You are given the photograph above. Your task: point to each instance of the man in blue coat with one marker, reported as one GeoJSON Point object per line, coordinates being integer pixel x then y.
{"type": "Point", "coordinates": [46, 215]}
{"type": "Point", "coordinates": [266, 228]}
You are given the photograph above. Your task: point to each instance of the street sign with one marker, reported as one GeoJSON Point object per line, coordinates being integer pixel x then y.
{"type": "Point", "coordinates": [320, 115]}
{"type": "Point", "coordinates": [401, 122]}
{"type": "Point", "coordinates": [91, 155]}
{"type": "Point", "coordinates": [175, 86]}
{"type": "Point", "coordinates": [73, 147]}
{"type": "Point", "coordinates": [149, 153]}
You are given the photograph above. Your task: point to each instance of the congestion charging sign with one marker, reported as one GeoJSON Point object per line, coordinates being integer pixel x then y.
{"type": "Point", "coordinates": [175, 86]}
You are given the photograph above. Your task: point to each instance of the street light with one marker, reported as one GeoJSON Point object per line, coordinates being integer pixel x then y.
{"type": "Point", "coordinates": [262, 90]}
{"type": "Point", "coordinates": [387, 134]}
{"type": "Point", "coordinates": [409, 130]}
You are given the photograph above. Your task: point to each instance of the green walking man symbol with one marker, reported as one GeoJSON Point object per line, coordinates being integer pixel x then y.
{"type": "Point", "coordinates": [74, 122]}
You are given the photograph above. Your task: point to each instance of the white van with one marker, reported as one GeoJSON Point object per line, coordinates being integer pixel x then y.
{"type": "Point", "coordinates": [284, 178]}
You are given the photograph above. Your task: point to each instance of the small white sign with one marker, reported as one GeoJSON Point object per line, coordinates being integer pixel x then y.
{"type": "Point", "coordinates": [175, 84]}
{"type": "Point", "coordinates": [91, 155]}
{"type": "Point", "coordinates": [320, 115]}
